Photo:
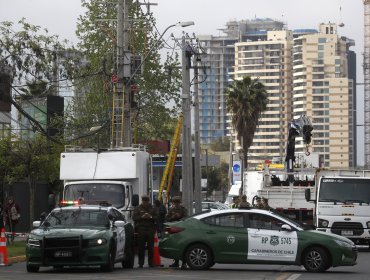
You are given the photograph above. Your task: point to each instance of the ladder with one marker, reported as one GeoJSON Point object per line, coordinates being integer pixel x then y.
{"type": "Point", "coordinates": [170, 163]}
{"type": "Point", "coordinates": [117, 119]}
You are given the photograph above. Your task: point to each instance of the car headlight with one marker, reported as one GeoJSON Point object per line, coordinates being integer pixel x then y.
{"type": "Point", "coordinates": [323, 223]}
{"type": "Point", "coordinates": [368, 224]}
{"type": "Point", "coordinates": [34, 242]}
{"type": "Point", "coordinates": [96, 242]}
{"type": "Point", "coordinates": [344, 243]}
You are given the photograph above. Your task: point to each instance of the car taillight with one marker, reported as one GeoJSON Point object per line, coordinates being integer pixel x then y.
{"type": "Point", "coordinates": [171, 230]}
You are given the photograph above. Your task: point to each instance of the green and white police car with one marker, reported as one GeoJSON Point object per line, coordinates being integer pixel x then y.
{"type": "Point", "coordinates": [81, 235]}
{"type": "Point", "coordinates": [253, 236]}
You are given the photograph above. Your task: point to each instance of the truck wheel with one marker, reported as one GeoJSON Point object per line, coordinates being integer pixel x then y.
{"type": "Point", "coordinates": [316, 259]}
{"type": "Point", "coordinates": [199, 257]}
{"type": "Point", "coordinates": [32, 268]}
{"type": "Point", "coordinates": [110, 263]}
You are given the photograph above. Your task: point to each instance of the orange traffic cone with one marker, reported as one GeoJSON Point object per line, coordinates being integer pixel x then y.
{"type": "Point", "coordinates": [3, 252]}
{"type": "Point", "coordinates": [156, 256]}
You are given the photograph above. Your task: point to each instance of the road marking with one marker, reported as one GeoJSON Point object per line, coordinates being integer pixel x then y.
{"type": "Point", "coordinates": [288, 276]}
{"type": "Point", "coordinates": [294, 277]}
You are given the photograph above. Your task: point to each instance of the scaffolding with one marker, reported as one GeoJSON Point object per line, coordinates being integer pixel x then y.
{"type": "Point", "coordinates": [366, 70]}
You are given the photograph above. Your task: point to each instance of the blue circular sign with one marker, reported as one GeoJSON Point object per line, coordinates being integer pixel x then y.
{"type": "Point", "coordinates": [236, 167]}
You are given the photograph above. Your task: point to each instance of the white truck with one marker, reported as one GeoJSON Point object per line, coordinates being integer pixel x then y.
{"type": "Point", "coordinates": [234, 191]}
{"type": "Point", "coordinates": [342, 203]}
{"type": "Point", "coordinates": [284, 196]}
{"type": "Point", "coordinates": [118, 177]}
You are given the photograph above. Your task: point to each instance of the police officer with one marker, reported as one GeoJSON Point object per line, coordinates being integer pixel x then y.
{"type": "Point", "coordinates": [265, 204]}
{"type": "Point", "coordinates": [244, 203]}
{"type": "Point", "coordinates": [176, 213]}
{"type": "Point", "coordinates": [258, 204]}
{"type": "Point", "coordinates": [145, 217]}
{"type": "Point", "coordinates": [235, 203]}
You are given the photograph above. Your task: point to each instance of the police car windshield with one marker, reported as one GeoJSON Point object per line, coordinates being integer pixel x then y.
{"type": "Point", "coordinates": [94, 192]}
{"type": "Point", "coordinates": [77, 218]}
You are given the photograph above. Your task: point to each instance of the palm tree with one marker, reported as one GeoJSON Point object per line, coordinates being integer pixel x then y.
{"type": "Point", "coordinates": [246, 100]}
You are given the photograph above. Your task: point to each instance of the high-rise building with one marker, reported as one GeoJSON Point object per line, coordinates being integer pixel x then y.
{"type": "Point", "coordinates": [219, 62]}
{"type": "Point", "coordinates": [366, 68]}
{"type": "Point", "coordinates": [323, 91]}
{"type": "Point", "coordinates": [270, 61]}
{"type": "Point", "coordinates": [304, 72]}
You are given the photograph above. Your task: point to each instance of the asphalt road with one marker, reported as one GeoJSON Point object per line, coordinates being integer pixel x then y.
{"type": "Point", "coordinates": [361, 271]}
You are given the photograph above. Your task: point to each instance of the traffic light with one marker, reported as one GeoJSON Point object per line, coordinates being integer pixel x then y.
{"type": "Point", "coordinates": [307, 133]}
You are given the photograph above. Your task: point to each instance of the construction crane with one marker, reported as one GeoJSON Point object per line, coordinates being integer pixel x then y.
{"type": "Point", "coordinates": [166, 181]}
{"type": "Point", "coordinates": [299, 127]}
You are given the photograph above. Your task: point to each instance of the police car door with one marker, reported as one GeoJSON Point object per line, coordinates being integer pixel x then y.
{"type": "Point", "coordinates": [120, 234]}
{"type": "Point", "coordinates": [266, 240]}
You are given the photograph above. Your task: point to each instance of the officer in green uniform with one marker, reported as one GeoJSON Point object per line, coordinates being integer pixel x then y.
{"type": "Point", "coordinates": [258, 204]}
{"type": "Point", "coordinates": [176, 213]}
{"type": "Point", "coordinates": [145, 217]}
{"type": "Point", "coordinates": [265, 204]}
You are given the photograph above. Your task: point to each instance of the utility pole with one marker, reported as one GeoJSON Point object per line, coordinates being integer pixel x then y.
{"type": "Point", "coordinates": [197, 154]}
{"type": "Point", "coordinates": [121, 114]}
{"type": "Point", "coordinates": [187, 165]}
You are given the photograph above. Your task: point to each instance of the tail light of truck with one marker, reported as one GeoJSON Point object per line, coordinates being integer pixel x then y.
{"type": "Point", "coordinates": [173, 230]}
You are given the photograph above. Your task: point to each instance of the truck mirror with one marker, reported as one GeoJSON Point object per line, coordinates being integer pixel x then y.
{"type": "Point", "coordinates": [307, 194]}
{"type": "Point", "coordinates": [135, 200]}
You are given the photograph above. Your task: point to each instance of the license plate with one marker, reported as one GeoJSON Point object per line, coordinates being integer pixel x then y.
{"type": "Point", "coordinates": [63, 254]}
{"type": "Point", "coordinates": [347, 232]}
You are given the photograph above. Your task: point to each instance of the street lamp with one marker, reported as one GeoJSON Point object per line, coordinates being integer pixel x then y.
{"type": "Point", "coordinates": [156, 44]}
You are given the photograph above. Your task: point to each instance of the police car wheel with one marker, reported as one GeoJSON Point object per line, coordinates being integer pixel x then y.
{"type": "Point", "coordinates": [316, 259]}
{"type": "Point", "coordinates": [32, 268]}
{"type": "Point", "coordinates": [199, 257]}
{"type": "Point", "coordinates": [109, 267]}
{"type": "Point", "coordinates": [129, 259]}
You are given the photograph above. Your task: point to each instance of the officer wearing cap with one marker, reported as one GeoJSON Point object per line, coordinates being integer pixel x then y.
{"type": "Point", "coordinates": [176, 213]}
{"type": "Point", "coordinates": [145, 217]}
{"type": "Point", "coordinates": [265, 204]}
{"type": "Point", "coordinates": [258, 204]}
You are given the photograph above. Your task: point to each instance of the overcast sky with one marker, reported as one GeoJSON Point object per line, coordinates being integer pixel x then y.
{"type": "Point", "coordinates": [59, 17]}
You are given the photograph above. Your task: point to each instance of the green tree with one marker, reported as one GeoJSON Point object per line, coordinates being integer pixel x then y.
{"type": "Point", "coordinates": [217, 178]}
{"type": "Point", "coordinates": [34, 160]}
{"type": "Point", "coordinates": [246, 100]}
{"type": "Point", "coordinates": [221, 144]}
{"type": "Point", "coordinates": [33, 55]}
{"type": "Point", "coordinates": [159, 84]}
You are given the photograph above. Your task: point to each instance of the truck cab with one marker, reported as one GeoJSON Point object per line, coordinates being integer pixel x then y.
{"type": "Point", "coordinates": [118, 177]}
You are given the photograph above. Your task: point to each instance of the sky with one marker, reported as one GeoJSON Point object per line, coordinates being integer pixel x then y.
{"type": "Point", "coordinates": [60, 16]}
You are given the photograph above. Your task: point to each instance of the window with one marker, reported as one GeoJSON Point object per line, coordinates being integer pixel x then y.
{"type": "Point", "coordinates": [261, 221]}
{"type": "Point", "coordinates": [228, 220]}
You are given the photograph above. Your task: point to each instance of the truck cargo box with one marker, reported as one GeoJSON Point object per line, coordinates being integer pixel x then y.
{"type": "Point", "coordinates": [108, 165]}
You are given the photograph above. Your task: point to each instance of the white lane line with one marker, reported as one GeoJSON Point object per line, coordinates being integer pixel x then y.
{"type": "Point", "coordinates": [293, 276]}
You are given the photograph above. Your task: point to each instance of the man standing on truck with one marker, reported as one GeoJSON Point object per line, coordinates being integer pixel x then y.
{"type": "Point", "coordinates": [145, 217]}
